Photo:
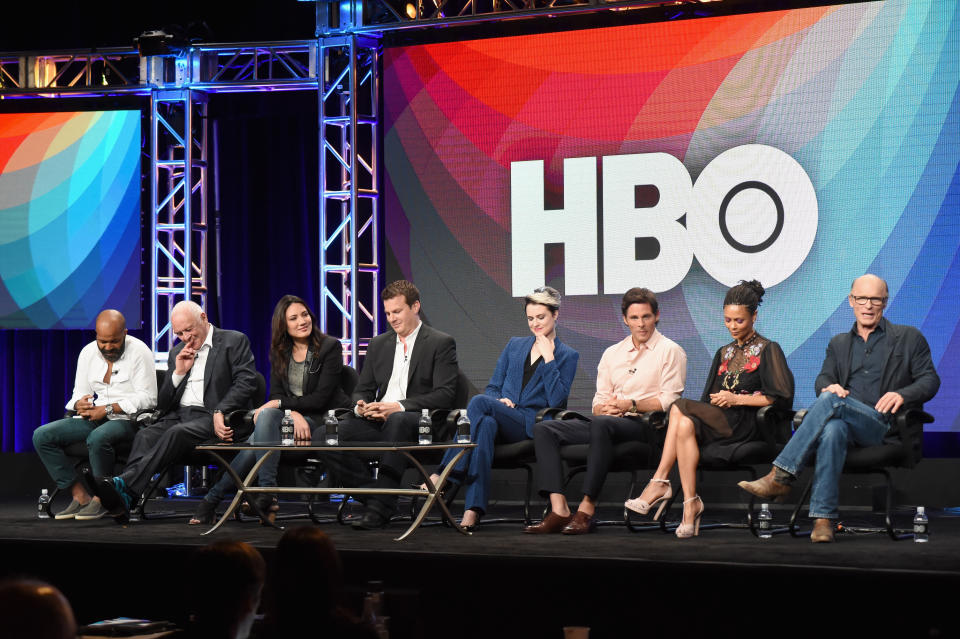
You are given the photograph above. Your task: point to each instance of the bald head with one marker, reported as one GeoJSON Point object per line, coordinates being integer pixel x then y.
{"type": "Point", "coordinates": [33, 609]}
{"type": "Point", "coordinates": [111, 334]}
{"type": "Point", "coordinates": [868, 298]}
{"type": "Point", "coordinates": [870, 281]}
{"type": "Point", "coordinates": [111, 320]}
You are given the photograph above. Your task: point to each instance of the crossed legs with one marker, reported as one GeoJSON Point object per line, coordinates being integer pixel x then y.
{"type": "Point", "coordinates": [679, 447]}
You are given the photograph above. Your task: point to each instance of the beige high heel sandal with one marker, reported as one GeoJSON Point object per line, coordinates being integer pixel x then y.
{"type": "Point", "coordinates": [685, 531]}
{"type": "Point", "coordinates": [638, 505]}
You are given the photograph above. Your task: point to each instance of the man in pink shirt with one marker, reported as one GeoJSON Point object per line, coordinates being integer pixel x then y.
{"type": "Point", "coordinates": [644, 372]}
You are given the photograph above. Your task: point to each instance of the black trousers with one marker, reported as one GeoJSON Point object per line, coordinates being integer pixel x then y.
{"type": "Point", "coordinates": [171, 438]}
{"type": "Point", "coordinates": [602, 432]}
{"type": "Point", "coordinates": [400, 427]}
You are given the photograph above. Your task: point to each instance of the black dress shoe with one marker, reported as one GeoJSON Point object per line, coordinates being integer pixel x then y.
{"type": "Point", "coordinates": [371, 520]}
{"type": "Point", "coordinates": [116, 503]}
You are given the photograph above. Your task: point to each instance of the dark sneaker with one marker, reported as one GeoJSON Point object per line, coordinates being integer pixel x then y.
{"type": "Point", "coordinates": [93, 510]}
{"type": "Point", "coordinates": [70, 511]}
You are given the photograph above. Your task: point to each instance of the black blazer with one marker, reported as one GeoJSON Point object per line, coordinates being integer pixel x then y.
{"type": "Point", "coordinates": [908, 370]}
{"type": "Point", "coordinates": [432, 380]}
{"type": "Point", "coordinates": [321, 383]}
{"type": "Point", "coordinates": [229, 378]}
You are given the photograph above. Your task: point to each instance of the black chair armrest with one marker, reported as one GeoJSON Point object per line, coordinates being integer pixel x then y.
{"type": "Point", "coordinates": [798, 418]}
{"type": "Point", "coordinates": [446, 420]}
{"type": "Point", "coordinates": [775, 424]}
{"type": "Point", "coordinates": [655, 418]}
{"type": "Point", "coordinates": [239, 417]}
{"type": "Point", "coordinates": [913, 420]}
{"type": "Point", "coordinates": [340, 413]}
{"type": "Point", "coordinates": [550, 412]}
{"type": "Point", "coordinates": [146, 417]}
{"type": "Point", "coordinates": [570, 414]}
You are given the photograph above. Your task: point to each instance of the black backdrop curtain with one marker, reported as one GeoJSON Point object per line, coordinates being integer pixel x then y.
{"type": "Point", "coordinates": [268, 206]}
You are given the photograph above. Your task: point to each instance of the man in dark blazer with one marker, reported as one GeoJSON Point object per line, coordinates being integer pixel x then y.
{"type": "Point", "coordinates": [209, 373]}
{"type": "Point", "coordinates": [407, 369]}
{"type": "Point", "coordinates": [870, 372]}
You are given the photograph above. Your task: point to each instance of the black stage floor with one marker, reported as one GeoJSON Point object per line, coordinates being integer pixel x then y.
{"type": "Point", "coordinates": [441, 584]}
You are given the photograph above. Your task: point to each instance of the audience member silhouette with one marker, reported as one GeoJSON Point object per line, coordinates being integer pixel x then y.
{"type": "Point", "coordinates": [224, 590]}
{"type": "Point", "coordinates": [33, 609]}
{"type": "Point", "coordinates": [305, 592]}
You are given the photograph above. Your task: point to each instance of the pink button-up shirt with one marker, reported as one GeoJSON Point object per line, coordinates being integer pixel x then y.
{"type": "Point", "coordinates": [657, 369]}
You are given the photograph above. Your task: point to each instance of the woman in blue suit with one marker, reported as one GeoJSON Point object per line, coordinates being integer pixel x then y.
{"type": "Point", "coordinates": [532, 373]}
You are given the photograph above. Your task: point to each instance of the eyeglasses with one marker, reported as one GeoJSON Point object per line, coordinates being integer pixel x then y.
{"type": "Point", "coordinates": [874, 301]}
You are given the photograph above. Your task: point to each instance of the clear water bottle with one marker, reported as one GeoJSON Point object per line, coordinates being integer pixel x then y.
{"type": "Point", "coordinates": [42, 504]}
{"type": "Point", "coordinates": [330, 426]}
{"type": "Point", "coordinates": [921, 526]}
{"type": "Point", "coordinates": [765, 522]}
{"type": "Point", "coordinates": [463, 429]}
{"type": "Point", "coordinates": [286, 429]}
{"type": "Point", "coordinates": [425, 428]}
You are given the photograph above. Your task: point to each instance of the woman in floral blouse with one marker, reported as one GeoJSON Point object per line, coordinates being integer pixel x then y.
{"type": "Point", "coordinates": [747, 374]}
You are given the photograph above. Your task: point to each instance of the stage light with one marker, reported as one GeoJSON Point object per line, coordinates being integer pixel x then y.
{"type": "Point", "coordinates": [159, 42]}
{"type": "Point", "coordinates": [411, 11]}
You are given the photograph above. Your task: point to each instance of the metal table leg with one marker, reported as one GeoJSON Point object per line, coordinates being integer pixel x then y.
{"type": "Point", "coordinates": [433, 496]}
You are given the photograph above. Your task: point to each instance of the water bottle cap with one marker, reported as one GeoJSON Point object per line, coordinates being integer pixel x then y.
{"type": "Point", "coordinates": [765, 507]}
{"type": "Point", "coordinates": [425, 411]}
{"type": "Point", "coordinates": [330, 412]}
{"type": "Point", "coordinates": [920, 510]}
{"type": "Point", "coordinates": [43, 491]}
{"type": "Point", "coordinates": [286, 412]}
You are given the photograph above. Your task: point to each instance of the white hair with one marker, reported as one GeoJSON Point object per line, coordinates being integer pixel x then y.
{"type": "Point", "coordinates": [187, 306]}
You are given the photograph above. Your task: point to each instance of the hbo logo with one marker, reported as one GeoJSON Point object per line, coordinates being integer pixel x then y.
{"type": "Point", "coordinates": [751, 214]}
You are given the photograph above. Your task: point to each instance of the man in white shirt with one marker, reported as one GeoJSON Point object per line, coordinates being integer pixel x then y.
{"type": "Point", "coordinates": [115, 379]}
{"type": "Point", "coordinates": [407, 369]}
{"type": "Point", "coordinates": [209, 373]}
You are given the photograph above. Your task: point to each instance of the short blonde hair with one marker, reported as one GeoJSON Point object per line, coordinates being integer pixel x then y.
{"type": "Point", "coordinates": [545, 296]}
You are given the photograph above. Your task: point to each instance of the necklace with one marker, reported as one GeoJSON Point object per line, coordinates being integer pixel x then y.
{"type": "Point", "coordinates": [732, 379]}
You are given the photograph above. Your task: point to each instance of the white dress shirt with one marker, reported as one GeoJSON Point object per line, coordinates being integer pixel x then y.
{"type": "Point", "coordinates": [193, 393]}
{"type": "Point", "coordinates": [133, 382]}
{"type": "Point", "coordinates": [400, 375]}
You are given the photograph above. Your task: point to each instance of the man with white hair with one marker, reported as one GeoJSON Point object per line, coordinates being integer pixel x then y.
{"type": "Point", "coordinates": [209, 373]}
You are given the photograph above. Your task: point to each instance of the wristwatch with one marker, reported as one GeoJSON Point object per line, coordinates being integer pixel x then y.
{"type": "Point", "coordinates": [109, 409]}
{"type": "Point", "coordinates": [633, 404]}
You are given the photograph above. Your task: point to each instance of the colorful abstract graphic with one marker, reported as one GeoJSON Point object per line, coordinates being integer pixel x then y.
{"type": "Point", "coordinates": [69, 218]}
{"type": "Point", "coordinates": [865, 97]}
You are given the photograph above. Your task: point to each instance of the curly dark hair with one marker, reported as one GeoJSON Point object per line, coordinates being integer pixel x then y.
{"type": "Point", "coordinates": [749, 294]}
{"type": "Point", "coordinates": [281, 344]}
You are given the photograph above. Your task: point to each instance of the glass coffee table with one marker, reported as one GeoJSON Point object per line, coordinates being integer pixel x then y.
{"type": "Point", "coordinates": [245, 485]}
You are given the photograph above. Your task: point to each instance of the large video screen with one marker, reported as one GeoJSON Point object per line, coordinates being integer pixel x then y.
{"type": "Point", "coordinates": [802, 148]}
{"type": "Point", "coordinates": [69, 218]}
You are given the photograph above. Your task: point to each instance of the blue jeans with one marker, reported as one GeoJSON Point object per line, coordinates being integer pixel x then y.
{"type": "Point", "coordinates": [829, 427]}
{"type": "Point", "coordinates": [50, 440]}
{"type": "Point", "coordinates": [490, 421]}
{"type": "Point", "coordinates": [267, 429]}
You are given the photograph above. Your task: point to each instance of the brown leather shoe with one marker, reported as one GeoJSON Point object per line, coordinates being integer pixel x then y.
{"type": "Point", "coordinates": [552, 523]}
{"type": "Point", "coordinates": [822, 532]}
{"type": "Point", "coordinates": [581, 524]}
{"type": "Point", "coordinates": [767, 487]}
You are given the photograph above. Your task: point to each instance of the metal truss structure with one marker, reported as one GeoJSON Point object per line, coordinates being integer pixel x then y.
{"type": "Point", "coordinates": [178, 206]}
{"type": "Point", "coordinates": [349, 191]}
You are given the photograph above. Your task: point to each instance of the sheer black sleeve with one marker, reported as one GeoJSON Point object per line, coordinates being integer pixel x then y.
{"type": "Point", "coordinates": [776, 379]}
{"type": "Point", "coordinates": [713, 380]}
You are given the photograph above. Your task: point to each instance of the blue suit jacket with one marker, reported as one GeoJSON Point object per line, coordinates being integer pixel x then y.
{"type": "Point", "coordinates": [549, 386]}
